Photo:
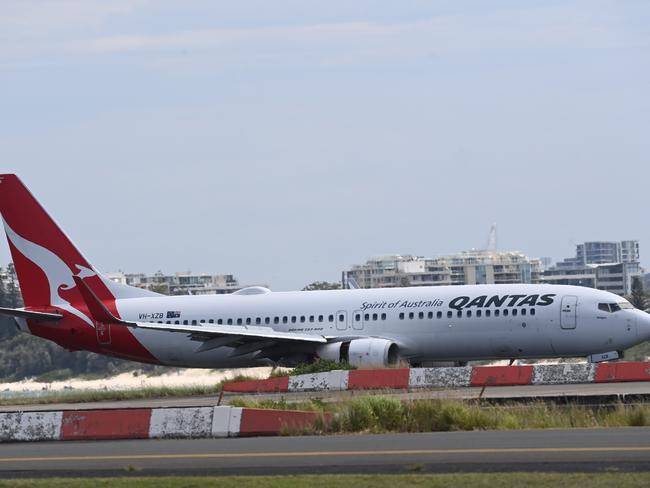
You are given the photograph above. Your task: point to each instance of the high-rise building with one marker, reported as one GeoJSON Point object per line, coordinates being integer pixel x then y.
{"type": "Point", "coordinates": [609, 266]}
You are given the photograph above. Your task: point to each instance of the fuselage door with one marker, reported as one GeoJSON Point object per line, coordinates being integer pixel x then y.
{"type": "Point", "coordinates": [568, 312]}
{"type": "Point", "coordinates": [357, 320]}
{"type": "Point", "coordinates": [341, 320]}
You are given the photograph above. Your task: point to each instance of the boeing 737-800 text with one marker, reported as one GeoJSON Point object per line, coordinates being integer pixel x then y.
{"type": "Point", "coordinates": [69, 302]}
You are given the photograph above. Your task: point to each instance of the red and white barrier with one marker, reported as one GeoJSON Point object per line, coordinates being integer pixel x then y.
{"type": "Point", "coordinates": [145, 423]}
{"type": "Point", "coordinates": [452, 377]}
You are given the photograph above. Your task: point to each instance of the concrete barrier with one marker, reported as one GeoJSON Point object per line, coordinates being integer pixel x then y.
{"type": "Point", "coordinates": [556, 374]}
{"type": "Point", "coordinates": [270, 385]}
{"type": "Point", "coordinates": [274, 422]}
{"type": "Point", "coordinates": [187, 422]}
{"type": "Point", "coordinates": [448, 377]}
{"type": "Point", "coordinates": [30, 426]}
{"type": "Point", "coordinates": [182, 423]}
{"type": "Point", "coordinates": [625, 371]}
{"type": "Point", "coordinates": [501, 375]}
{"type": "Point", "coordinates": [105, 424]}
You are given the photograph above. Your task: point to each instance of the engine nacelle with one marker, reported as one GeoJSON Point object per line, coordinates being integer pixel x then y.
{"type": "Point", "coordinates": [372, 352]}
{"type": "Point", "coordinates": [363, 353]}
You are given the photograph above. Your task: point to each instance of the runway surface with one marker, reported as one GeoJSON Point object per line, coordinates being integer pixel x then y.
{"type": "Point", "coordinates": [622, 449]}
{"type": "Point", "coordinates": [577, 391]}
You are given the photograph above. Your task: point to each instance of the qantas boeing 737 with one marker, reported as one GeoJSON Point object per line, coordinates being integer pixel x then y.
{"type": "Point", "coordinates": [69, 302]}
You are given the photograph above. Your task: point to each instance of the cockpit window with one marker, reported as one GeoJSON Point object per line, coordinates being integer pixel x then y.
{"type": "Point", "coordinates": [614, 307]}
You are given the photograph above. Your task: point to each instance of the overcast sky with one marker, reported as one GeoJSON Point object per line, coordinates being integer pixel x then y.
{"type": "Point", "coordinates": [284, 141]}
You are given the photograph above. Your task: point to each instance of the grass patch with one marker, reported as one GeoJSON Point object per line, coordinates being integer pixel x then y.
{"type": "Point", "coordinates": [470, 480]}
{"type": "Point", "coordinates": [71, 396]}
{"type": "Point", "coordinates": [321, 366]}
{"type": "Point", "coordinates": [379, 414]}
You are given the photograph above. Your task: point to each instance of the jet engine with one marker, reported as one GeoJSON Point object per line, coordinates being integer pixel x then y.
{"type": "Point", "coordinates": [363, 353]}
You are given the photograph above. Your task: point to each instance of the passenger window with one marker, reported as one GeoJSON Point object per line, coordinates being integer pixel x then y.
{"type": "Point", "coordinates": [293, 319]}
{"type": "Point", "coordinates": [487, 313]}
{"type": "Point", "coordinates": [211, 321]}
{"type": "Point", "coordinates": [267, 320]}
{"type": "Point", "coordinates": [514, 312]}
{"type": "Point", "coordinates": [374, 316]}
{"type": "Point", "coordinates": [357, 317]}
{"type": "Point", "coordinates": [449, 314]}
{"type": "Point", "coordinates": [401, 316]}
{"type": "Point", "coordinates": [421, 315]}
{"type": "Point", "coordinates": [479, 313]}
{"type": "Point", "coordinates": [258, 320]}
{"type": "Point", "coordinates": [239, 321]}
{"type": "Point", "coordinates": [532, 311]}
{"type": "Point", "coordinates": [383, 316]}
{"type": "Point", "coordinates": [220, 321]}
{"type": "Point", "coordinates": [523, 311]}
{"type": "Point", "coordinates": [496, 313]}
{"type": "Point", "coordinates": [285, 319]}
{"type": "Point", "coordinates": [185, 322]}
{"type": "Point", "coordinates": [430, 315]}
{"type": "Point", "coordinates": [459, 314]}
{"type": "Point", "coordinates": [176, 321]}
{"type": "Point", "coordinates": [302, 319]}
{"type": "Point", "coordinates": [248, 321]}
{"type": "Point", "coordinates": [168, 322]}
{"type": "Point", "coordinates": [276, 320]}
{"type": "Point", "coordinates": [202, 321]}
{"type": "Point", "coordinates": [505, 312]}
{"type": "Point", "coordinates": [311, 318]}
{"type": "Point", "coordinates": [229, 321]}
{"type": "Point", "coordinates": [331, 318]}
{"type": "Point", "coordinates": [469, 313]}
{"type": "Point", "coordinates": [320, 318]}
{"type": "Point", "coordinates": [411, 315]}
{"type": "Point", "coordinates": [366, 317]}
{"type": "Point", "coordinates": [439, 314]}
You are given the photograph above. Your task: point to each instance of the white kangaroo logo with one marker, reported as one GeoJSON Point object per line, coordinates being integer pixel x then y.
{"type": "Point", "coordinates": [57, 272]}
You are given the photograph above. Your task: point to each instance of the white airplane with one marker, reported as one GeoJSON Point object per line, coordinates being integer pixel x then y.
{"type": "Point", "coordinates": [69, 302]}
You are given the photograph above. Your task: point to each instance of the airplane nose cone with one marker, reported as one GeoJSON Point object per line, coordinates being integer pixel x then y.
{"type": "Point", "coordinates": [643, 325]}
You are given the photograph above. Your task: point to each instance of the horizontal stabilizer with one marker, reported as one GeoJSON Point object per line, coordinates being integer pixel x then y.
{"type": "Point", "coordinates": [26, 314]}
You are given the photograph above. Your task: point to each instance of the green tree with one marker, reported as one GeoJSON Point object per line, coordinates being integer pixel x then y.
{"type": "Point", "coordinates": [638, 297]}
{"type": "Point", "coordinates": [322, 285]}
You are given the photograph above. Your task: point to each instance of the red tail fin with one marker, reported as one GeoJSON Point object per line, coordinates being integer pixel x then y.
{"type": "Point", "coordinates": [45, 258]}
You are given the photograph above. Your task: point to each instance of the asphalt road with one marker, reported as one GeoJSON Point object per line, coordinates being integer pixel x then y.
{"type": "Point", "coordinates": [623, 449]}
{"type": "Point", "coordinates": [576, 391]}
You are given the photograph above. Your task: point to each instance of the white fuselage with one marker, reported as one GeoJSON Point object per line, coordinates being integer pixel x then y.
{"type": "Point", "coordinates": [427, 323]}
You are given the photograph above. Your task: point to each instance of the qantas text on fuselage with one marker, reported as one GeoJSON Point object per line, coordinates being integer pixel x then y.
{"type": "Point", "coordinates": [69, 302]}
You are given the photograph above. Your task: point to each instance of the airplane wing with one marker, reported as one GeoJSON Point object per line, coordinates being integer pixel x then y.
{"type": "Point", "coordinates": [212, 335]}
{"type": "Point", "coordinates": [233, 330]}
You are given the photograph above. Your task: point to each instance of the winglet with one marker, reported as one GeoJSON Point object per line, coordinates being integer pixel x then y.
{"type": "Point", "coordinates": [97, 309]}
